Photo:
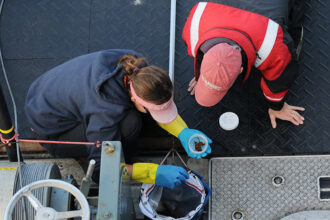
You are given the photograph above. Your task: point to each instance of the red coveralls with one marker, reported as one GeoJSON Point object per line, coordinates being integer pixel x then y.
{"type": "Point", "coordinates": [260, 37]}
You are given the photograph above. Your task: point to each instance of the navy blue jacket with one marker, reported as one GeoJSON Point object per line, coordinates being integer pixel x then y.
{"type": "Point", "coordinates": [88, 89]}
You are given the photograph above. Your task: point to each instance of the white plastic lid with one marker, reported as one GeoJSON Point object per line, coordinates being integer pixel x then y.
{"type": "Point", "coordinates": [197, 138]}
{"type": "Point", "coordinates": [228, 121]}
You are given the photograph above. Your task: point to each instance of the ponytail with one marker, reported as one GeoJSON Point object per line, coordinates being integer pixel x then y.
{"type": "Point", "coordinates": [131, 64]}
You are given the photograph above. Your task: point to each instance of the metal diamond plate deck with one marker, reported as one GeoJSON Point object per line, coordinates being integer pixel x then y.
{"type": "Point", "coordinates": [36, 35]}
{"type": "Point", "coordinates": [44, 28]}
{"type": "Point", "coordinates": [245, 184]}
{"type": "Point", "coordinates": [141, 25]}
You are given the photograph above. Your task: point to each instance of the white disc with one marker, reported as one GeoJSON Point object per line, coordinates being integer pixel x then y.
{"type": "Point", "coordinates": [228, 121]}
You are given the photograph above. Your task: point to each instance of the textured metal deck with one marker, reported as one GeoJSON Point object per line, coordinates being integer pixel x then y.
{"type": "Point", "coordinates": [37, 35]}
{"type": "Point", "coordinates": [245, 184]}
{"type": "Point", "coordinates": [254, 135]}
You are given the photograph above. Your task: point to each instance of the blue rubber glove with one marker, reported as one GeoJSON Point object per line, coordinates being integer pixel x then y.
{"type": "Point", "coordinates": [170, 176]}
{"type": "Point", "coordinates": [184, 137]}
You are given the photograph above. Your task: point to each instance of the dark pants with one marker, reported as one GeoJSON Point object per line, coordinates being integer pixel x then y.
{"type": "Point", "coordinates": [130, 128]}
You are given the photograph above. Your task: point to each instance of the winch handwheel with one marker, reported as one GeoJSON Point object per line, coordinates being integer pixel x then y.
{"type": "Point", "coordinates": [47, 213]}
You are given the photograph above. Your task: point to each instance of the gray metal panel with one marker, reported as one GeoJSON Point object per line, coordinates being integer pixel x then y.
{"type": "Point", "coordinates": [245, 184]}
{"type": "Point", "coordinates": [309, 215]}
{"type": "Point", "coordinates": [7, 179]}
{"type": "Point", "coordinates": [115, 197]}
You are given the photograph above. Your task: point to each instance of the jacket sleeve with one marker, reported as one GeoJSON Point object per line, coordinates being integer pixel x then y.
{"type": "Point", "coordinates": [278, 72]}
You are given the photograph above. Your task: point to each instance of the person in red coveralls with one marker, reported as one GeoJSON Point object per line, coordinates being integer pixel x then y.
{"type": "Point", "coordinates": [226, 42]}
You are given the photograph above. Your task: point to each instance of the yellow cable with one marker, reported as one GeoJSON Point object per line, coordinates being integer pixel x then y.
{"type": "Point", "coordinates": [7, 131]}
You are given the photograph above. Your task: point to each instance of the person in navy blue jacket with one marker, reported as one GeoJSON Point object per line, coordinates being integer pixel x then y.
{"type": "Point", "coordinates": [98, 97]}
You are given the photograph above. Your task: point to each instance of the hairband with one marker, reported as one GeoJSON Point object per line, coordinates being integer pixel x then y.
{"type": "Point", "coordinates": [126, 78]}
{"type": "Point", "coordinates": [136, 69]}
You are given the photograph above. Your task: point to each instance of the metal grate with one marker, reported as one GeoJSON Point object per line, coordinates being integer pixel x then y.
{"type": "Point", "coordinates": [268, 187]}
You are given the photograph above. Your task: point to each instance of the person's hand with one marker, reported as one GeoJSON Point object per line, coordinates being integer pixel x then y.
{"type": "Point", "coordinates": [287, 113]}
{"type": "Point", "coordinates": [170, 176]}
{"type": "Point", "coordinates": [192, 86]}
{"type": "Point", "coordinates": [184, 137]}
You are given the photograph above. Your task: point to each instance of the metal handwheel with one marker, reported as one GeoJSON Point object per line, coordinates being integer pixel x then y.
{"type": "Point", "coordinates": [47, 213]}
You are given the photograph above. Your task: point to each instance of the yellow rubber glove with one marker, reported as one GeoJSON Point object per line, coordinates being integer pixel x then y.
{"type": "Point", "coordinates": [144, 172]}
{"type": "Point", "coordinates": [174, 127]}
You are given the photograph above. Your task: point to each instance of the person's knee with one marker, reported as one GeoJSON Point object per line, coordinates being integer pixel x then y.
{"type": "Point", "coordinates": [130, 126]}
{"type": "Point", "coordinates": [51, 149]}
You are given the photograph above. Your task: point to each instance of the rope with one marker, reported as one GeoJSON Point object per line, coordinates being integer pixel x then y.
{"type": "Point", "coordinates": [97, 143]}
{"type": "Point", "coordinates": [6, 141]}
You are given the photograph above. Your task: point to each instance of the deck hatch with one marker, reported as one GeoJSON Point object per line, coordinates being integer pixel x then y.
{"type": "Point", "coordinates": [324, 188]}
